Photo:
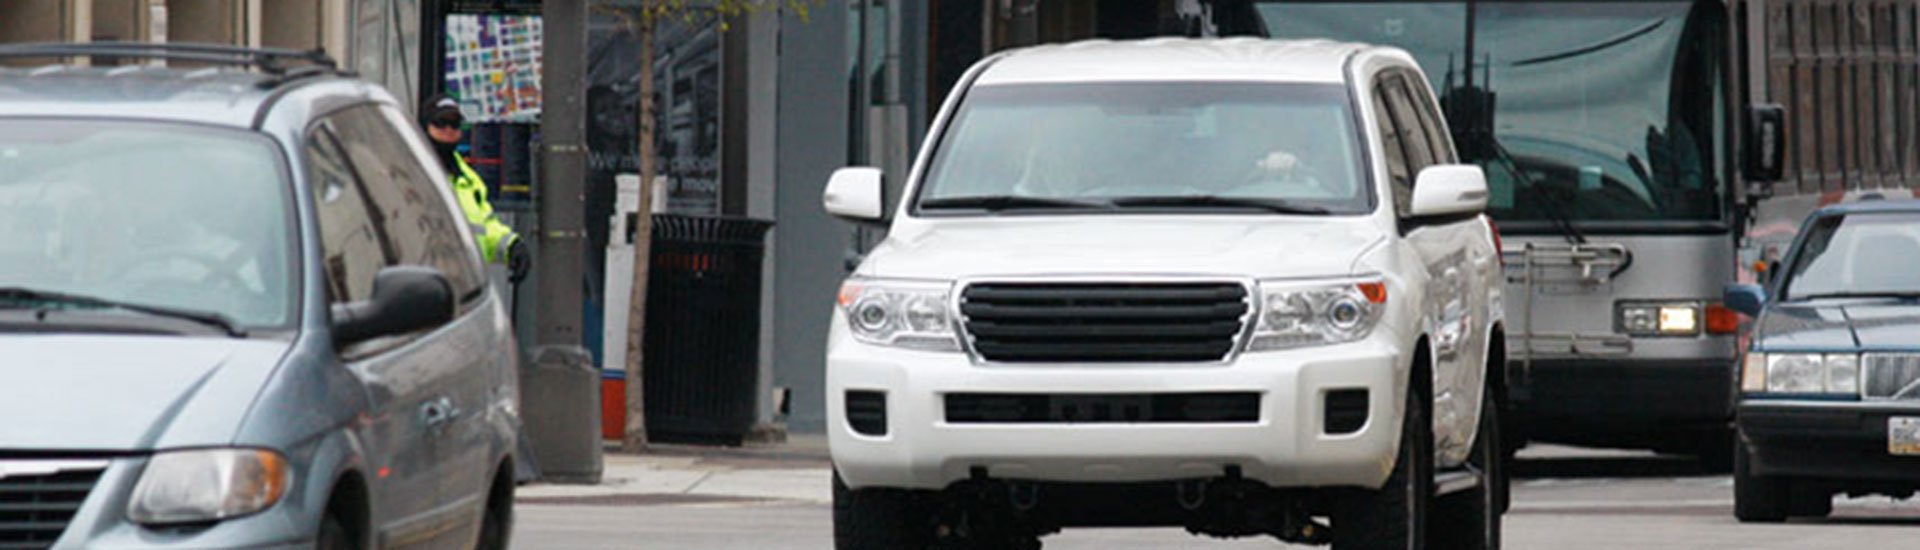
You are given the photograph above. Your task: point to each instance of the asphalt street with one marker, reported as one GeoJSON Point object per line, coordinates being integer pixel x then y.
{"type": "Point", "coordinates": [1570, 501]}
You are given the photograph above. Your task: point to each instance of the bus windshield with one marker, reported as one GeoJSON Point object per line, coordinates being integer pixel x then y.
{"type": "Point", "coordinates": [1594, 112]}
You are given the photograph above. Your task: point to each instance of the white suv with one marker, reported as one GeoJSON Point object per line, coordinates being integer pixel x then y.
{"type": "Point", "coordinates": [1196, 283]}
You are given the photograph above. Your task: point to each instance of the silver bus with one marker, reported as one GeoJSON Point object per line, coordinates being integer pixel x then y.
{"type": "Point", "coordinates": [1625, 152]}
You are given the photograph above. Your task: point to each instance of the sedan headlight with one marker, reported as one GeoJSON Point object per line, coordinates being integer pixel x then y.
{"type": "Point", "coordinates": [898, 313]}
{"type": "Point", "coordinates": [1802, 373]}
{"type": "Point", "coordinates": [208, 485]}
{"type": "Point", "coordinates": [1307, 313]}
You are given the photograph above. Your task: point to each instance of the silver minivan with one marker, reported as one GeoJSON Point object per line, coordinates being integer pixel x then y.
{"type": "Point", "coordinates": [239, 308]}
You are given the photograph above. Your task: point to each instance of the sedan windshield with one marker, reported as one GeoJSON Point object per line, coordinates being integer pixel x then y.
{"type": "Point", "coordinates": [134, 217]}
{"type": "Point", "coordinates": [1129, 147]}
{"type": "Point", "coordinates": [1859, 255]}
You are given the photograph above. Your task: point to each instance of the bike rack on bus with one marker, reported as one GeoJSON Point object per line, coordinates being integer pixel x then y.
{"type": "Point", "coordinates": [1591, 265]}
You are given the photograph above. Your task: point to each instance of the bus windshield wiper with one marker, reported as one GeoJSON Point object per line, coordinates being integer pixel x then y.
{"type": "Point", "coordinates": [1280, 206]}
{"type": "Point", "coordinates": [33, 296]}
{"type": "Point", "coordinates": [1008, 202]}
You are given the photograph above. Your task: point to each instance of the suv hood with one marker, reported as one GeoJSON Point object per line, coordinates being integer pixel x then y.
{"type": "Point", "coordinates": [1237, 246]}
{"type": "Point", "coordinates": [128, 393]}
{"type": "Point", "coordinates": [1872, 324]}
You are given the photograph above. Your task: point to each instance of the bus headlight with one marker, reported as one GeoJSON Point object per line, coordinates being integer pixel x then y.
{"type": "Point", "coordinates": [1673, 319]}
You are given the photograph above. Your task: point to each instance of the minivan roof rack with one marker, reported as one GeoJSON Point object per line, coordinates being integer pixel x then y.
{"type": "Point", "coordinates": [274, 61]}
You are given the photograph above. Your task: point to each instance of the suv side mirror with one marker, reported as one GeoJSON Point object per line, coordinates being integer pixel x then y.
{"type": "Point", "coordinates": [405, 299]}
{"type": "Point", "coordinates": [1449, 190]}
{"type": "Point", "coordinates": [1765, 143]}
{"type": "Point", "coordinates": [1745, 298]}
{"type": "Point", "coordinates": [854, 193]}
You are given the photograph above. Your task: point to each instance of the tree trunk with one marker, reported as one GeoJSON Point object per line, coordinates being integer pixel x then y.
{"type": "Point", "coordinates": [636, 429]}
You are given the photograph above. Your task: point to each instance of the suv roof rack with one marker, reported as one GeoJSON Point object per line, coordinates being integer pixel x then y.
{"type": "Point", "coordinates": [284, 62]}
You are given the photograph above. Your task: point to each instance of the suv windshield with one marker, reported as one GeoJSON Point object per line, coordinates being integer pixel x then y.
{"type": "Point", "coordinates": [1595, 111]}
{"type": "Point", "coordinates": [166, 216]}
{"type": "Point", "coordinates": [1234, 147]}
{"type": "Point", "coordinates": [1867, 255]}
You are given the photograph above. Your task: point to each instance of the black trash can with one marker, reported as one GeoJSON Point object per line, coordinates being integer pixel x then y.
{"type": "Point", "coordinates": [703, 328]}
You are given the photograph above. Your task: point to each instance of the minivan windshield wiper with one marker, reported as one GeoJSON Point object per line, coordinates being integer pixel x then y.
{"type": "Point", "coordinates": [1906, 294]}
{"type": "Point", "coordinates": [1271, 205]}
{"type": "Point", "coordinates": [1008, 202]}
{"type": "Point", "coordinates": [9, 296]}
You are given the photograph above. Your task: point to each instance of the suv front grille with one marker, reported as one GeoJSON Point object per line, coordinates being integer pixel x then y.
{"type": "Point", "coordinates": [1883, 375]}
{"type": "Point", "coordinates": [35, 508]}
{"type": "Point", "coordinates": [1104, 322]}
{"type": "Point", "coordinates": [1103, 408]}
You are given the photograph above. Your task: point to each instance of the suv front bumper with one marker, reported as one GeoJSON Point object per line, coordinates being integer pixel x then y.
{"type": "Point", "coordinates": [1286, 446]}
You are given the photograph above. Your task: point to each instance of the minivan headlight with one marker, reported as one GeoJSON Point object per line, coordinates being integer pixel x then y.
{"type": "Point", "coordinates": [1297, 314]}
{"type": "Point", "coordinates": [208, 485]}
{"type": "Point", "coordinates": [900, 313]}
{"type": "Point", "coordinates": [1803, 373]}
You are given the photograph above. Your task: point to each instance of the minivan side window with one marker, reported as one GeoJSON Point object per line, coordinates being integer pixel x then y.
{"type": "Point", "coordinates": [423, 230]}
{"type": "Point", "coordinates": [1396, 156]}
{"type": "Point", "coordinates": [353, 237]}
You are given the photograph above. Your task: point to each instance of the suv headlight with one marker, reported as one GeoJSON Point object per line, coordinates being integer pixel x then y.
{"type": "Point", "coordinates": [208, 485]}
{"type": "Point", "coordinates": [1804, 373]}
{"type": "Point", "coordinates": [1308, 313]}
{"type": "Point", "coordinates": [900, 313]}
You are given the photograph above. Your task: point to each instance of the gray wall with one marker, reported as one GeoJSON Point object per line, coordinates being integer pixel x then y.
{"type": "Point", "coordinates": [810, 246]}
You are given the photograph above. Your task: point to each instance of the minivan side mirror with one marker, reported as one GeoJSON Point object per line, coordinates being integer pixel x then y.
{"type": "Point", "coordinates": [1449, 190]}
{"type": "Point", "coordinates": [405, 299]}
{"type": "Point", "coordinates": [1745, 298]}
{"type": "Point", "coordinates": [1765, 143]}
{"type": "Point", "coordinates": [854, 193]}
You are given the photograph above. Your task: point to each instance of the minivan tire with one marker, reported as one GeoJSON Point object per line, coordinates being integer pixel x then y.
{"type": "Point", "coordinates": [1470, 519]}
{"type": "Point", "coordinates": [1395, 515]}
{"type": "Point", "coordinates": [879, 519]}
{"type": "Point", "coordinates": [334, 534]}
{"type": "Point", "coordinates": [496, 523]}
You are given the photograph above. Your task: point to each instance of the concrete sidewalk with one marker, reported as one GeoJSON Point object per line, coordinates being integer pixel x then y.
{"type": "Point", "coordinates": [795, 471]}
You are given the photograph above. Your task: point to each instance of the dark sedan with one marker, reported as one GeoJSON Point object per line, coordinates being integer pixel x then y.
{"type": "Point", "coordinates": [1830, 388]}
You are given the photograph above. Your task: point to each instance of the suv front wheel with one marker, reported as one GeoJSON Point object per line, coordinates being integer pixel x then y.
{"type": "Point", "coordinates": [1395, 515]}
{"type": "Point", "coordinates": [879, 519]}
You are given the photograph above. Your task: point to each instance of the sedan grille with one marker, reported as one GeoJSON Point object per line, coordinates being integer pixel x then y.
{"type": "Point", "coordinates": [1105, 322]}
{"type": "Point", "coordinates": [36, 508]}
{"type": "Point", "coordinates": [1889, 375]}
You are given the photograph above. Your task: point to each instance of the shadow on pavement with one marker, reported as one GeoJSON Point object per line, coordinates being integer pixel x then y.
{"type": "Point", "coordinates": [1586, 467]}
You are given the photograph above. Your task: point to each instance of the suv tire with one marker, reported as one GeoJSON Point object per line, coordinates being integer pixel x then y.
{"type": "Point", "coordinates": [1395, 515]}
{"type": "Point", "coordinates": [879, 519]}
{"type": "Point", "coordinates": [1470, 519]}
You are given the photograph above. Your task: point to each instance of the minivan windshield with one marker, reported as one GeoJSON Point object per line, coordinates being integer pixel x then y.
{"type": "Point", "coordinates": [1150, 147]}
{"type": "Point", "coordinates": [149, 216]}
{"type": "Point", "coordinates": [1858, 255]}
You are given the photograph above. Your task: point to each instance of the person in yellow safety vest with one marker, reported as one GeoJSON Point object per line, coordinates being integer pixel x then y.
{"type": "Point", "coordinates": [498, 242]}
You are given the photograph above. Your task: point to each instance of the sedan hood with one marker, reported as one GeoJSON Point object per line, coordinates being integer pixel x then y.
{"type": "Point", "coordinates": [1842, 325]}
{"type": "Point", "coordinates": [128, 393]}
{"type": "Point", "coordinates": [1237, 246]}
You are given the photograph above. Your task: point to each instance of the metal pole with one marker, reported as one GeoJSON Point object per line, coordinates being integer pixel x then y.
{"type": "Point", "coordinates": [560, 386]}
{"type": "Point", "coordinates": [562, 237]}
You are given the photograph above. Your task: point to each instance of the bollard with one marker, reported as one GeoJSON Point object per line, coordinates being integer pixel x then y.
{"type": "Point", "coordinates": [560, 412]}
